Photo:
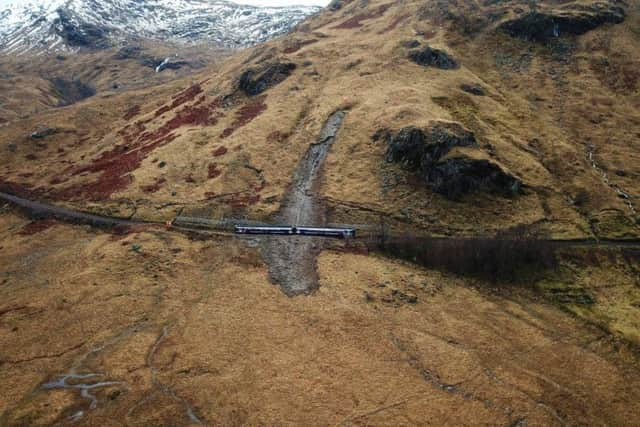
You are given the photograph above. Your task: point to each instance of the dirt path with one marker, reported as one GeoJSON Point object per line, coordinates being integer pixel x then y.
{"type": "Point", "coordinates": [292, 260]}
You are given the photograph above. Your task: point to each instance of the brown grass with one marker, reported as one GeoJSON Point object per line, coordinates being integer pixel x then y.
{"type": "Point", "coordinates": [356, 21]}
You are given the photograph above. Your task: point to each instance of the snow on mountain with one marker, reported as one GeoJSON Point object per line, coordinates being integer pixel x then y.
{"type": "Point", "coordinates": [71, 25]}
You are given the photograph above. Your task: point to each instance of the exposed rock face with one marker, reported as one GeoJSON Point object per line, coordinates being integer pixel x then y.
{"type": "Point", "coordinates": [575, 19]}
{"type": "Point", "coordinates": [429, 57]}
{"type": "Point", "coordinates": [460, 175]}
{"type": "Point", "coordinates": [253, 82]}
{"type": "Point", "coordinates": [423, 152]}
{"type": "Point", "coordinates": [418, 149]}
{"type": "Point", "coordinates": [80, 34]}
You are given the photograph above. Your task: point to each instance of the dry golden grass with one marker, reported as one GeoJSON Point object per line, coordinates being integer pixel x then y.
{"type": "Point", "coordinates": [381, 342]}
{"type": "Point", "coordinates": [546, 109]}
{"type": "Point", "coordinates": [238, 351]}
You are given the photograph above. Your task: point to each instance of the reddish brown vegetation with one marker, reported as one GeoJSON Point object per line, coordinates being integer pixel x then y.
{"type": "Point", "coordinates": [299, 45]}
{"type": "Point", "coordinates": [428, 35]}
{"type": "Point", "coordinates": [25, 191]}
{"type": "Point", "coordinates": [190, 179]}
{"type": "Point", "coordinates": [617, 72]}
{"type": "Point", "coordinates": [36, 227]}
{"type": "Point", "coordinates": [155, 186]}
{"type": "Point", "coordinates": [356, 21]}
{"type": "Point", "coordinates": [116, 165]}
{"type": "Point", "coordinates": [243, 200]}
{"type": "Point", "coordinates": [181, 98]}
{"type": "Point", "coordinates": [244, 115]}
{"type": "Point", "coordinates": [57, 180]}
{"type": "Point", "coordinates": [214, 172]}
{"type": "Point", "coordinates": [277, 136]}
{"type": "Point", "coordinates": [131, 112]}
{"type": "Point", "coordinates": [220, 151]}
{"type": "Point", "coordinates": [392, 26]}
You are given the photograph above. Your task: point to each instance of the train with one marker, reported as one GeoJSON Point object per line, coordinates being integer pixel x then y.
{"type": "Point", "coordinates": [340, 233]}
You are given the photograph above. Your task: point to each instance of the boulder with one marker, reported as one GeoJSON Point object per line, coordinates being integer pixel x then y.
{"type": "Point", "coordinates": [473, 89]}
{"type": "Point", "coordinates": [43, 132]}
{"type": "Point", "coordinates": [255, 81]}
{"type": "Point", "coordinates": [573, 19]}
{"type": "Point", "coordinates": [459, 175]}
{"type": "Point", "coordinates": [424, 152]}
{"type": "Point", "coordinates": [418, 149]}
{"type": "Point", "coordinates": [429, 57]}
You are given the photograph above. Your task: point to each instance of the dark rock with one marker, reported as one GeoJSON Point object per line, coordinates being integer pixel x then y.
{"type": "Point", "coordinates": [574, 19]}
{"type": "Point", "coordinates": [473, 89]}
{"type": "Point", "coordinates": [71, 91]}
{"type": "Point", "coordinates": [410, 44]}
{"type": "Point", "coordinates": [335, 5]}
{"type": "Point", "coordinates": [460, 175]}
{"type": "Point", "coordinates": [61, 58]}
{"type": "Point", "coordinates": [430, 57]}
{"type": "Point", "coordinates": [381, 135]}
{"type": "Point", "coordinates": [255, 81]}
{"type": "Point", "coordinates": [423, 153]}
{"type": "Point", "coordinates": [418, 149]}
{"type": "Point", "coordinates": [80, 34]}
{"type": "Point", "coordinates": [162, 164]}
{"type": "Point", "coordinates": [12, 147]}
{"type": "Point", "coordinates": [43, 132]}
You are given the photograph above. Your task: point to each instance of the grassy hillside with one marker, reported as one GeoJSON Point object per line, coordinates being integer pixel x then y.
{"type": "Point", "coordinates": [559, 115]}
{"type": "Point", "coordinates": [462, 119]}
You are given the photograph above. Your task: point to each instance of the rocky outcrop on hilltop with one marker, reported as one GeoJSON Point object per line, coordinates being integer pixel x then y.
{"type": "Point", "coordinates": [428, 154]}
{"type": "Point", "coordinates": [573, 19]}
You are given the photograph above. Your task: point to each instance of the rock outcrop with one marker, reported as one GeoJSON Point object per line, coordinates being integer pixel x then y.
{"type": "Point", "coordinates": [429, 57]}
{"type": "Point", "coordinates": [425, 153]}
{"type": "Point", "coordinates": [573, 19]}
{"type": "Point", "coordinates": [255, 81]}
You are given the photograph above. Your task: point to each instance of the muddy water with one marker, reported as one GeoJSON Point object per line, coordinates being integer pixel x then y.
{"type": "Point", "coordinates": [292, 259]}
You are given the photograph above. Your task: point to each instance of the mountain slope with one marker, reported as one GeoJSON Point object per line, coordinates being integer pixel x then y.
{"type": "Point", "coordinates": [456, 118]}
{"type": "Point", "coordinates": [69, 25]}
{"type": "Point", "coordinates": [560, 120]}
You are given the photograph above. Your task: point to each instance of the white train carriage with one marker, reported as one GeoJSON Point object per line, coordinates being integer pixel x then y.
{"type": "Point", "coordinates": [280, 231]}
{"type": "Point", "coordinates": [341, 233]}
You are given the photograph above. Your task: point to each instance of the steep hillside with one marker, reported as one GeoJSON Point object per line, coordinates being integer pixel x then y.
{"type": "Point", "coordinates": [523, 131]}
{"type": "Point", "coordinates": [434, 118]}
{"type": "Point", "coordinates": [31, 84]}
